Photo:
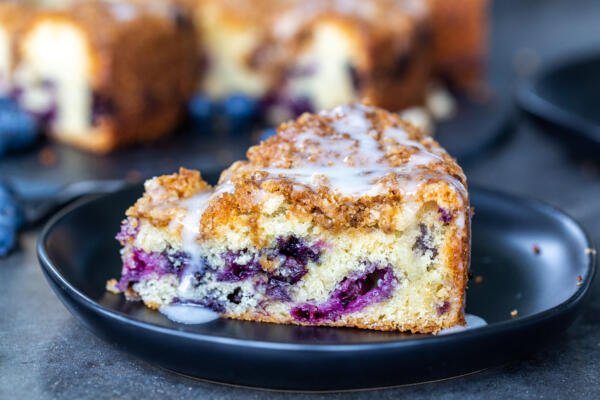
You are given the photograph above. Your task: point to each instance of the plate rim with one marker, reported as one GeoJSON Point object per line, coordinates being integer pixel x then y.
{"type": "Point", "coordinates": [530, 101]}
{"type": "Point", "coordinates": [51, 272]}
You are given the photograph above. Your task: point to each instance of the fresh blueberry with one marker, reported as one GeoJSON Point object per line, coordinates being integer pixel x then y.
{"type": "Point", "coordinates": [6, 103]}
{"type": "Point", "coordinates": [239, 106]}
{"type": "Point", "coordinates": [18, 129]}
{"type": "Point", "coordinates": [267, 133]}
{"type": "Point", "coordinates": [11, 219]}
{"type": "Point", "coordinates": [11, 213]}
{"type": "Point", "coordinates": [8, 239]}
{"type": "Point", "coordinates": [239, 112]}
{"type": "Point", "coordinates": [200, 108]}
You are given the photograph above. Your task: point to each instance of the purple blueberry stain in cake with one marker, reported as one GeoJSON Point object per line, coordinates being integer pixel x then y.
{"type": "Point", "coordinates": [445, 215]}
{"type": "Point", "coordinates": [443, 308]}
{"type": "Point", "coordinates": [235, 297]}
{"type": "Point", "coordinates": [138, 264]}
{"type": "Point", "coordinates": [295, 255]}
{"type": "Point", "coordinates": [128, 231]}
{"type": "Point", "coordinates": [235, 270]}
{"type": "Point", "coordinates": [352, 294]}
{"type": "Point", "coordinates": [277, 290]}
{"type": "Point", "coordinates": [424, 243]}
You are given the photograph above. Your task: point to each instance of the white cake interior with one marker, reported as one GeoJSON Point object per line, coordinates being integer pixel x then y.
{"type": "Point", "coordinates": [228, 47]}
{"type": "Point", "coordinates": [53, 76]}
{"type": "Point", "coordinates": [423, 281]}
{"type": "Point", "coordinates": [328, 56]}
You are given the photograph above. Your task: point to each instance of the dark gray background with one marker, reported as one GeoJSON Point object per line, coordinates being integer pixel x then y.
{"type": "Point", "coordinates": [46, 353]}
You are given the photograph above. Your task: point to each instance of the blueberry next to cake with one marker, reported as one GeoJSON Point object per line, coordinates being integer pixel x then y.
{"type": "Point", "coordinates": [349, 217]}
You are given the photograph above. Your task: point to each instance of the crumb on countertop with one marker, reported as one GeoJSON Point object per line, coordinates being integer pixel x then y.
{"type": "Point", "coordinates": [47, 157]}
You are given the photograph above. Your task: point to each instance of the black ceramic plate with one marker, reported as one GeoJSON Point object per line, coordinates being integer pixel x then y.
{"type": "Point", "coordinates": [546, 288]}
{"type": "Point", "coordinates": [565, 97]}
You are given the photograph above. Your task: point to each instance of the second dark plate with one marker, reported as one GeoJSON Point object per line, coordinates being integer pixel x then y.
{"type": "Point", "coordinates": [565, 99]}
{"type": "Point", "coordinates": [528, 297]}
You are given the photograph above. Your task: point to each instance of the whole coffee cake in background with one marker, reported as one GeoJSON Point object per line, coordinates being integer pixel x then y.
{"type": "Point", "coordinates": [295, 56]}
{"type": "Point", "coordinates": [349, 217]}
{"type": "Point", "coordinates": [121, 71]}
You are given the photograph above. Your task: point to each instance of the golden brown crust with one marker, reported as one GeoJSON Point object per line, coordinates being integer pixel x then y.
{"type": "Point", "coordinates": [460, 35]}
{"type": "Point", "coordinates": [14, 18]}
{"type": "Point", "coordinates": [13, 15]}
{"type": "Point", "coordinates": [321, 205]}
{"type": "Point", "coordinates": [167, 190]}
{"type": "Point", "coordinates": [356, 322]}
{"type": "Point", "coordinates": [142, 91]}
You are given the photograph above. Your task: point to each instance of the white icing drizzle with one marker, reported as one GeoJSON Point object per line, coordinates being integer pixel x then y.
{"type": "Point", "coordinates": [472, 322]}
{"type": "Point", "coordinates": [188, 313]}
{"type": "Point", "coordinates": [351, 161]}
{"type": "Point", "coordinates": [195, 207]}
{"type": "Point", "coordinates": [190, 224]}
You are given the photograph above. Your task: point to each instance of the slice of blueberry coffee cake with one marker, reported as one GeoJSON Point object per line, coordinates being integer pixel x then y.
{"type": "Point", "coordinates": [349, 217]}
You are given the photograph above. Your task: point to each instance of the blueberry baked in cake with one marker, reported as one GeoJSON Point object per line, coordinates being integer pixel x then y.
{"type": "Point", "coordinates": [349, 217]}
{"type": "Point", "coordinates": [102, 74]}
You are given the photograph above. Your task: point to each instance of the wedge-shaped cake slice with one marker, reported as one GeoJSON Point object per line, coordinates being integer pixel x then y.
{"type": "Point", "coordinates": [350, 217]}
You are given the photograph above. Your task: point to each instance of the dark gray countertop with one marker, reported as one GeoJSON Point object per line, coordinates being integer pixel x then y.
{"type": "Point", "coordinates": [46, 353]}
